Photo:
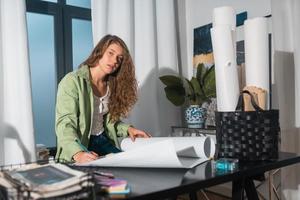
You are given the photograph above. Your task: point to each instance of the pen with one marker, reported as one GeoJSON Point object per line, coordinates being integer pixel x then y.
{"type": "Point", "coordinates": [82, 146]}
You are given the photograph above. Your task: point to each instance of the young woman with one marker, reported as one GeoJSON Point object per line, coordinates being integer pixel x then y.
{"type": "Point", "coordinates": [92, 100]}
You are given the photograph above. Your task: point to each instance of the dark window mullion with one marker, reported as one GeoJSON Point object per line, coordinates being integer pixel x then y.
{"type": "Point", "coordinates": [79, 13]}
{"type": "Point", "coordinates": [59, 45]}
{"type": "Point", "coordinates": [63, 2]}
{"type": "Point", "coordinates": [61, 40]}
{"type": "Point", "coordinates": [41, 7]}
{"type": "Point", "coordinates": [68, 40]}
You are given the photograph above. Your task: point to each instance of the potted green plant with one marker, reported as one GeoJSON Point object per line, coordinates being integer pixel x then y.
{"type": "Point", "coordinates": [193, 93]}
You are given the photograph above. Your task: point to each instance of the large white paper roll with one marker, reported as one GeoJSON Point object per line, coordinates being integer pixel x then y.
{"type": "Point", "coordinates": [160, 152]}
{"type": "Point", "coordinates": [227, 84]}
{"type": "Point", "coordinates": [204, 146]}
{"type": "Point", "coordinates": [257, 53]}
{"type": "Point", "coordinates": [224, 16]}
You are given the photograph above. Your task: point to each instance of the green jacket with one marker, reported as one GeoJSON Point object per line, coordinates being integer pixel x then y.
{"type": "Point", "coordinates": [74, 112]}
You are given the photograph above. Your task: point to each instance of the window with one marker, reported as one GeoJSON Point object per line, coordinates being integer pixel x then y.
{"type": "Point", "coordinates": [81, 46]}
{"type": "Point", "coordinates": [60, 38]}
{"type": "Point", "coordinates": [43, 74]}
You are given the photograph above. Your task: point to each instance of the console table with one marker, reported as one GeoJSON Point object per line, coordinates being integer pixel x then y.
{"type": "Point", "coordinates": [178, 131]}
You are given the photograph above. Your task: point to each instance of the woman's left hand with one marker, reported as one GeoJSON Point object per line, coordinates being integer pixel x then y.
{"type": "Point", "coordinates": [135, 133]}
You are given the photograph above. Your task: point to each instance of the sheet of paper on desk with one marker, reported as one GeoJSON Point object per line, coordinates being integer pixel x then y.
{"type": "Point", "coordinates": [162, 152]}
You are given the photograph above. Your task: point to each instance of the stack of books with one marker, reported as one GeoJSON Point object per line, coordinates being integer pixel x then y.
{"type": "Point", "coordinates": [44, 181]}
{"type": "Point", "coordinates": [113, 186]}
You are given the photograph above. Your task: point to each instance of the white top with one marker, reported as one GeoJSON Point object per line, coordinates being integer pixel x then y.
{"type": "Point", "coordinates": [100, 109]}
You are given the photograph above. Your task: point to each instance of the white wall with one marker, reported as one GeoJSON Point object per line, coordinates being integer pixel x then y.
{"type": "Point", "coordinates": [286, 29]}
{"type": "Point", "coordinates": [199, 13]}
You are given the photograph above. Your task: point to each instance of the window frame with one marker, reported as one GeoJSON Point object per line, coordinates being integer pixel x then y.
{"type": "Point", "coordinates": [63, 15]}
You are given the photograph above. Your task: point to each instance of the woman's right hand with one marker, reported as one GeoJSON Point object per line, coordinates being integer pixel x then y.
{"type": "Point", "coordinates": [82, 156]}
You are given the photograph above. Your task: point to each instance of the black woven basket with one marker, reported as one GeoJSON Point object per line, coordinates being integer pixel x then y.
{"type": "Point", "coordinates": [248, 136]}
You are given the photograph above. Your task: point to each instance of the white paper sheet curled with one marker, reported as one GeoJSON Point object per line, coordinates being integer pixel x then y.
{"type": "Point", "coordinates": [160, 152]}
{"type": "Point", "coordinates": [227, 84]}
{"type": "Point", "coordinates": [257, 53]}
{"type": "Point", "coordinates": [201, 145]}
{"type": "Point", "coordinates": [224, 16]}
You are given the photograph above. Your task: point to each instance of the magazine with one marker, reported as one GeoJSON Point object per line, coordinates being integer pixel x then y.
{"type": "Point", "coordinates": [7, 189]}
{"type": "Point", "coordinates": [47, 180]}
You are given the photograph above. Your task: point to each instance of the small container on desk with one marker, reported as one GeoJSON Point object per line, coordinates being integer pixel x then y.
{"type": "Point", "coordinates": [180, 131]}
{"type": "Point", "coordinates": [226, 164]}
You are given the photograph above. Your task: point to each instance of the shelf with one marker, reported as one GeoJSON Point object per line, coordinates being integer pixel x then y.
{"type": "Point", "coordinates": [178, 131]}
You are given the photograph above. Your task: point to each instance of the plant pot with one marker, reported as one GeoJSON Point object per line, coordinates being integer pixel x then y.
{"type": "Point", "coordinates": [195, 116]}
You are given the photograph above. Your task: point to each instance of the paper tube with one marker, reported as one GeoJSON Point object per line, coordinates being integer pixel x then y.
{"type": "Point", "coordinates": [227, 83]}
{"type": "Point", "coordinates": [160, 152]}
{"type": "Point", "coordinates": [224, 16]}
{"type": "Point", "coordinates": [257, 53]}
{"type": "Point", "coordinates": [204, 146]}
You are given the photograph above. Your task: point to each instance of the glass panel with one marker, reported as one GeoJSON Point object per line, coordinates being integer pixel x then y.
{"type": "Point", "coordinates": [79, 3]}
{"type": "Point", "coordinates": [43, 76]}
{"type": "Point", "coordinates": [81, 40]}
{"type": "Point", "coordinates": [54, 1]}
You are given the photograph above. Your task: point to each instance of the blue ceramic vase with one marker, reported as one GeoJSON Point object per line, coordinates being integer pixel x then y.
{"type": "Point", "coordinates": [195, 116]}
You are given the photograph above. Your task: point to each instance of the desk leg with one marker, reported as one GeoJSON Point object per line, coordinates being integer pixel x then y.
{"type": "Point", "coordinates": [251, 190]}
{"type": "Point", "coordinates": [193, 196]}
{"type": "Point", "coordinates": [238, 187]}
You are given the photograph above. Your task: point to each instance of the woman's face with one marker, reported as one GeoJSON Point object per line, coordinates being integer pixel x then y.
{"type": "Point", "coordinates": [111, 59]}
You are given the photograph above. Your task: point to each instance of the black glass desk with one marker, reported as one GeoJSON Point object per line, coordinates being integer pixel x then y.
{"type": "Point", "coordinates": [151, 183]}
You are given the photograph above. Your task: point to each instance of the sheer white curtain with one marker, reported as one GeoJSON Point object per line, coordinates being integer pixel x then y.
{"type": "Point", "coordinates": [148, 28]}
{"type": "Point", "coordinates": [17, 143]}
{"type": "Point", "coordinates": [286, 32]}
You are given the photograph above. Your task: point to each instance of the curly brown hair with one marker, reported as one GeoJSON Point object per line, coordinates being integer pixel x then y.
{"type": "Point", "coordinates": [122, 82]}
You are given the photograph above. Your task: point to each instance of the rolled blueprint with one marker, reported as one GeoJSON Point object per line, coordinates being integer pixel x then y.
{"type": "Point", "coordinates": [257, 53]}
{"type": "Point", "coordinates": [224, 16]}
{"type": "Point", "coordinates": [160, 152]}
{"type": "Point", "coordinates": [227, 82]}
{"type": "Point", "coordinates": [204, 146]}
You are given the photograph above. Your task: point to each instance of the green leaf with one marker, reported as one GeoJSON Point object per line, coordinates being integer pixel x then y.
{"type": "Point", "coordinates": [210, 83]}
{"type": "Point", "coordinates": [200, 69]}
{"type": "Point", "coordinates": [170, 80]}
{"type": "Point", "coordinates": [175, 94]}
{"type": "Point", "coordinates": [190, 89]}
{"type": "Point", "coordinates": [196, 91]}
{"type": "Point", "coordinates": [208, 72]}
{"type": "Point", "coordinates": [196, 86]}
